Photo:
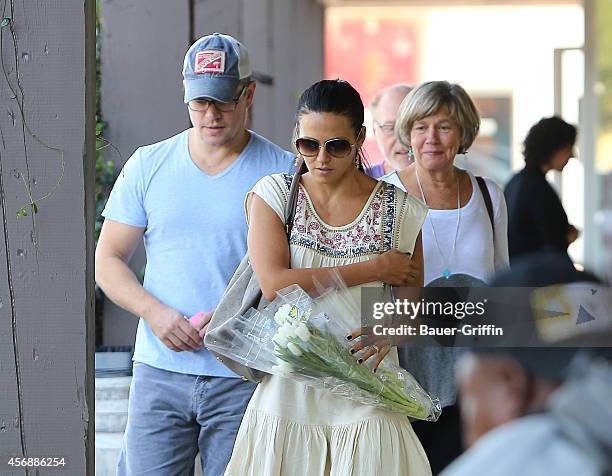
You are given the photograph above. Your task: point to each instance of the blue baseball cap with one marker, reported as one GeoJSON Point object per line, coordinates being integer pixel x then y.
{"type": "Point", "coordinates": [214, 67]}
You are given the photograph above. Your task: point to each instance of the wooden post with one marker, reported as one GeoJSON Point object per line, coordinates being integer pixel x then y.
{"type": "Point", "coordinates": [47, 170]}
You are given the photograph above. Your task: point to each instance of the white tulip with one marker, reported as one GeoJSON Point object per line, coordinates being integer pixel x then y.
{"type": "Point", "coordinates": [280, 340]}
{"type": "Point", "coordinates": [294, 349]}
{"type": "Point", "coordinates": [281, 315]}
{"type": "Point", "coordinates": [302, 332]}
{"type": "Point", "coordinates": [286, 330]}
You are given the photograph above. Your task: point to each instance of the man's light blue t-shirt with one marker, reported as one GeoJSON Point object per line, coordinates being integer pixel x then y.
{"type": "Point", "coordinates": [195, 232]}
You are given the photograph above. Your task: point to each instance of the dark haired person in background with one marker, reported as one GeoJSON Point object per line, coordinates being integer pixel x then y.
{"type": "Point", "coordinates": [536, 218]}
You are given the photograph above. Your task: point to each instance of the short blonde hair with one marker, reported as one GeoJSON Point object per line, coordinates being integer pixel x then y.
{"type": "Point", "coordinates": [427, 99]}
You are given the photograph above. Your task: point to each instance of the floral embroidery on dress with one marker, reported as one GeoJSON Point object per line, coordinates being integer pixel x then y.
{"type": "Point", "coordinates": [389, 224]}
{"type": "Point", "coordinates": [371, 234]}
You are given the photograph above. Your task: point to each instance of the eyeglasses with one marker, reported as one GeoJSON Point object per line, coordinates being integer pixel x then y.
{"type": "Point", "coordinates": [338, 147]}
{"type": "Point", "coordinates": [388, 128]}
{"type": "Point", "coordinates": [202, 105]}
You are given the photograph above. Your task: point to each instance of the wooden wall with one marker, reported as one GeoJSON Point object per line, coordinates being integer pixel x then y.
{"type": "Point", "coordinates": [46, 267]}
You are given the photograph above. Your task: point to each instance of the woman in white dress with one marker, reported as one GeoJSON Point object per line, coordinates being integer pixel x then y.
{"type": "Point", "coordinates": [370, 233]}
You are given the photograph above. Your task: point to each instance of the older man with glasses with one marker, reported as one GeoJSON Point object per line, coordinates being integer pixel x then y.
{"type": "Point", "coordinates": [185, 196]}
{"type": "Point", "coordinates": [384, 109]}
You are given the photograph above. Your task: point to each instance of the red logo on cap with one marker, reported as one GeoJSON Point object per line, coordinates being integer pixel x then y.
{"type": "Point", "coordinates": [209, 61]}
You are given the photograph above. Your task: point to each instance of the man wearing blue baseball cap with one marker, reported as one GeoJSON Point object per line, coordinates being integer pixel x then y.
{"type": "Point", "coordinates": [185, 196]}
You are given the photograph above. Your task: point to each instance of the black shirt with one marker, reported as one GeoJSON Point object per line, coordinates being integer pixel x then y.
{"type": "Point", "coordinates": [536, 218]}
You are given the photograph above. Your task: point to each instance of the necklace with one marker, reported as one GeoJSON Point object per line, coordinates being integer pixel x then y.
{"type": "Point", "coordinates": [446, 272]}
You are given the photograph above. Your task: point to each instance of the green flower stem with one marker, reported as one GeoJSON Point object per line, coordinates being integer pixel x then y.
{"type": "Point", "coordinates": [323, 355]}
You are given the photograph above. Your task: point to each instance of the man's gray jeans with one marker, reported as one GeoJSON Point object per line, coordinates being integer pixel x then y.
{"type": "Point", "coordinates": [172, 415]}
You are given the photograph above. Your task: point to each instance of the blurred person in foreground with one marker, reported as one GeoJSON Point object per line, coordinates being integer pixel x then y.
{"type": "Point", "coordinates": [536, 218]}
{"type": "Point", "coordinates": [384, 109]}
{"type": "Point", "coordinates": [535, 411]}
{"type": "Point", "coordinates": [464, 234]}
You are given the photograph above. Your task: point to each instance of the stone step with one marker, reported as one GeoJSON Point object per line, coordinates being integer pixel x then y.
{"type": "Point", "coordinates": [111, 416]}
{"type": "Point", "coordinates": [108, 448]}
{"type": "Point", "coordinates": [112, 388]}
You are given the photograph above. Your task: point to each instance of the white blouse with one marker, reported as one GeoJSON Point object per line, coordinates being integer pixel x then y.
{"type": "Point", "coordinates": [476, 254]}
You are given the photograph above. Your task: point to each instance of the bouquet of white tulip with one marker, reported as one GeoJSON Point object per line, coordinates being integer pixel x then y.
{"type": "Point", "coordinates": [304, 339]}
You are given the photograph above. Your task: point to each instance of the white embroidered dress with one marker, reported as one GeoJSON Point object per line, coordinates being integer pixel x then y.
{"type": "Point", "coordinates": [292, 429]}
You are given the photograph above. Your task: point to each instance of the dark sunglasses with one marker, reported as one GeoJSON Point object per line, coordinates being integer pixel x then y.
{"type": "Point", "coordinates": [338, 148]}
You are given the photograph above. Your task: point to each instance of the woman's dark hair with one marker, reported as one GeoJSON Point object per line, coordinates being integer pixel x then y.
{"type": "Point", "coordinates": [334, 96]}
{"type": "Point", "coordinates": [545, 138]}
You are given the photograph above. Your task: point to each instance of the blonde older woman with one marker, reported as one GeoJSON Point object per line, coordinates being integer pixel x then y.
{"type": "Point", "coordinates": [464, 243]}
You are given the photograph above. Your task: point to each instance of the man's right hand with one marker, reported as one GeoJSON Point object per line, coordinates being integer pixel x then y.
{"type": "Point", "coordinates": [174, 330]}
{"type": "Point", "coordinates": [116, 245]}
{"type": "Point", "coordinates": [200, 321]}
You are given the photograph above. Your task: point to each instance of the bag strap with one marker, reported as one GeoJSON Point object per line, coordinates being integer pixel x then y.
{"type": "Point", "coordinates": [293, 194]}
{"type": "Point", "coordinates": [487, 199]}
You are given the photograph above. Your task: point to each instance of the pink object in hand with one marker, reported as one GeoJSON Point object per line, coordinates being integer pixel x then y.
{"type": "Point", "coordinates": [196, 319]}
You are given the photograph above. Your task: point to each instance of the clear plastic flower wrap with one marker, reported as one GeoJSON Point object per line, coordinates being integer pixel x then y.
{"type": "Point", "coordinates": [304, 338]}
